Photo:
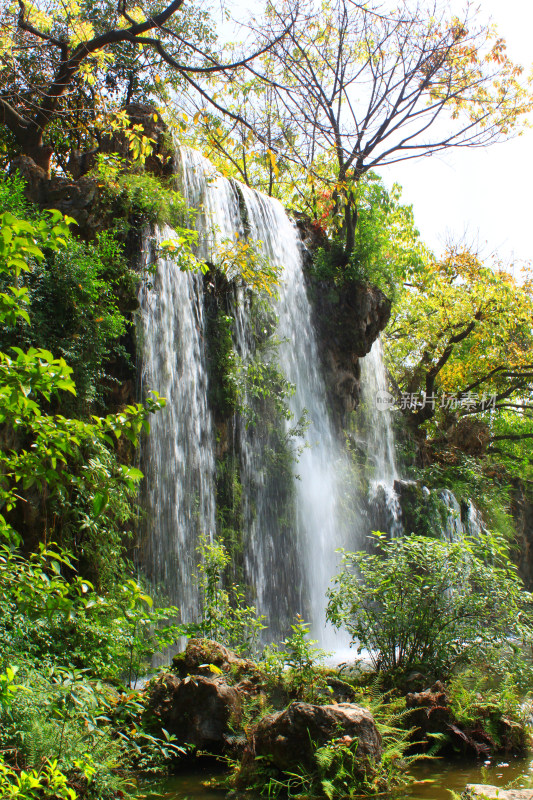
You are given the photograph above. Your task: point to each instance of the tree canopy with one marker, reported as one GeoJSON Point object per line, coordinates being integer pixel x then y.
{"type": "Point", "coordinates": [460, 345]}
{"type": "Point", "coordinates": [351, 87]}
{"type": "Point", "coordinates": [64, 63]}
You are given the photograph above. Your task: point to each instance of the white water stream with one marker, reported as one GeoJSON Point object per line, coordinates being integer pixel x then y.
{"type": "Point", "coordinates": [379, 437]}
{"type": "Point", "coordinates": [178, 458]}
{"type": "Point", "coordinates": [289, 563]}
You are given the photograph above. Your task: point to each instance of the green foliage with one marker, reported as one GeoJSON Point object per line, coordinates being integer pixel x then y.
{"type": "Point", "coordinates": [480, 698]}
{"type": "Point", "coordinates": [76, 295]}
{"type": "Point", "coordinates": [53, 624]}
{"type": "Point", "coordinates": [74, 309]}
{"type": "Point", "coordinates": [301, 656]}
{"type": "Point", "coordinates": [225, 615]}
{"type": "Point", "coordinates": [53, 709]}
{"type": "Point", "coordinates": [87, 731]}
{"type": "Point", "coordinates": [142, 199]}
{"type": "Point", "coordinates": [252, 385]}
{"type": "Point", "coordinates": [387, 244]}
{"type": "Point", "coordinates": [49, 613]}
{"type": "Point", "coordinates": [47, 453]}
{"type": "Point", "coordinates": [12, 196]}
{"type": "Point", "coordinates": [421, 603]}
{"type": "Point", "coordinates": [295, 666]}
{"type": "Point", "coordinates": [338, 770]}
{"type": "Point", "coordinates": [244, 260]}
{"type": "Point", "coordinates": [223, 366]}
{"type": "Point", "coordinates": [46, 783]}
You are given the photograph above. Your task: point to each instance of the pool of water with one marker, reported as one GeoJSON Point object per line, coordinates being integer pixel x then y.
{"type": "Point", "coordinates": [433, 778]}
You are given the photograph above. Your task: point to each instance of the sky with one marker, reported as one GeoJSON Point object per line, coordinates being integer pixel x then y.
{"type": "Point", "coordinates": [483, 194]}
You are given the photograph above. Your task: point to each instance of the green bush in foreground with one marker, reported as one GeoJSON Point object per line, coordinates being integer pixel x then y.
{"type": "Point", "coordinates": [427, 604]}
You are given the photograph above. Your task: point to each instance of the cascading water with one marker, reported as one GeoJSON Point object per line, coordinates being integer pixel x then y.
{"type": "Point", "coordinates": [457, 522]}
{"type": "Point", "coordinates": [289, 558]}
{"type": "Point", "coordinates": [379, 438]}
{"type": "Point", "coordinates": [318, 529]}
{"type": "Point", "coordinates": [178, 458]}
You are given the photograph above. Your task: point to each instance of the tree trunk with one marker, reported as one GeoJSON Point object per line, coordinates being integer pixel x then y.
{"type": "Point", "coordinates": [350, 224]}
{"type": "Point", "coordinates": [30, 143]}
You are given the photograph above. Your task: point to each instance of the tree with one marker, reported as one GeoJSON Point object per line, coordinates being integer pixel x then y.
{"type": "Point", "coordinates": [422, 603]}
{"type": "Point", "coordinates": [460, 345]}
{"type": "Point", "coordinates": [68, 460]}
{"type": "Point", "coordinates": [362, 88]}
{"type": "Point", "coordinates": [62, 62]}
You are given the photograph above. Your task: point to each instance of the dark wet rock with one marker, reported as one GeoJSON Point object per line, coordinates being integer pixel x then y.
{"type": "Point", "coordinates": [522, 511]}
{"type": "Point", "coordinates": [197, 710]}
{"type": "Point", "coordinates": [289, 738]}
{"type": "Point", "coordinates": [349, 320]}
{"type": "Point", "coordinates": [429, 710]}
{"type": "Point", "coordinates": [469, 435]}
{"type": "Point", "coordinates": [431, 714]}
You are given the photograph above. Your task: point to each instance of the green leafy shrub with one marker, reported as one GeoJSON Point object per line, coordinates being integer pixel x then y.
{"type": "Point", "coordinates": [387, 243]}
{"type": "Point", "coordinates": [225, 614]}
{"type": "Point", "coordinates": [421, 603]}
{"type": "Point", "coordinates": [78, 295]}
{"type": "Point", "coordinates": [481, 699]}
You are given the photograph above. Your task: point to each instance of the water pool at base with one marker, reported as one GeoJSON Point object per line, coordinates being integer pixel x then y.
{"type": "Point", "coordinates": [434, 780]}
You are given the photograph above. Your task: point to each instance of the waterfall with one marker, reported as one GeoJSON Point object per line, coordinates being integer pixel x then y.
{"type": "Point", "coordinates": [318, 529]}
{"type": "Point", "coordinates": [452, 524]}
{"type": "Point", "coordinates": [457, 522]}
{"type": "Point", "coordinates": [289, 554]}
{"type": "Point", "coordinates": [178, 457]}
{"type": "Point", "coordinates": [379, 442]}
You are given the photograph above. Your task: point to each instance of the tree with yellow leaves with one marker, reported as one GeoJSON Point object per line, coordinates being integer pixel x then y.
{"type": "Point", "coordinates": [63, 61]}
{"type": "Point", "coordinates": [362, 87]}
{"type": "Point", "coordinates": [461, 345]}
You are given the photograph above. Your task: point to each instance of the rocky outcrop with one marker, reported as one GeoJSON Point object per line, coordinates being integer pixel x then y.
{"type": "Point", "coordinates": [289, 738]}
{"type": "Point", "coordinates": [429, 710]}
{"type": "Point", "coordinates": [78, 194]}
{"type": "Point", "coordinates": [522, 512]}
{"type": "Point", "coordinates": [197, 710]}
{"type": "Point", "coordinates": [469, 435]}
{"type": "Point", "coordinates": [202, 654]}
{"type": "Point", "coordinates": [349, 320]}
{"type": "Point", "coordinates": [431, 714]}
{"type": "Point", "coordinates": [161, 159]}
{"type": "Point", "coordinates": [482, 791]}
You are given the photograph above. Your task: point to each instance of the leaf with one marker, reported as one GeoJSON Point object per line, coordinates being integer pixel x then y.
{"type": "Point", "coordinates": [99, 503]}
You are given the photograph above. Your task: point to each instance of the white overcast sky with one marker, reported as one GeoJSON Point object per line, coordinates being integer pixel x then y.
{"type": "Point", "coordinates": [485, 193]}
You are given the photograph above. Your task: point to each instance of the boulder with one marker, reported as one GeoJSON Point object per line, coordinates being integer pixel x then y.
{"type": "Point", "coordinates": [480, 791]}
{"type": "Point", "coordinates": [289, 738]}
{"type": "Point", "coordinates": [197, 710]}
{"type": "Point", "coordinates": [430, 714]}
{"type": "Point", "coordinates": [429, 710]}
{"type": "Point", "coordinates": [200, 654]}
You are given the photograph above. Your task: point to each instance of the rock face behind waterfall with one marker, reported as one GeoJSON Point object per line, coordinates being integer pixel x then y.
{"type": "Point", "coordinates": [289, 738]}
{"type": "Point", "coordinates": [349, 320]}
